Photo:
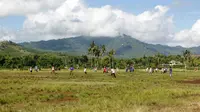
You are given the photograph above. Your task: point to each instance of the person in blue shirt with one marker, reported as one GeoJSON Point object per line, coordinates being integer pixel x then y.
{"type": "Point", "coordinates": [71, 70]}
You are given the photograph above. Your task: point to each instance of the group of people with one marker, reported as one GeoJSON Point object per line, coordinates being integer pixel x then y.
{"type": "Point", "coordinates": [36, 69]}
{"type": "Point", "coordinates": [112, 70]}
{"type": "Point", "coordinates": [163, 70]}
{"type": "Point", "coordinates": [130, 68]}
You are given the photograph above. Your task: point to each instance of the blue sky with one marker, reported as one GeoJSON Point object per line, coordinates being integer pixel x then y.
{"type": "Point", "coordinates": [185, 12]}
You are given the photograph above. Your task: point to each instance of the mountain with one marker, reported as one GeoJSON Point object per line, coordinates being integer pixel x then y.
{"type": "Point", "coordinates": [11, 48]}
{"type": "Point", "coordinates": [125, 46]}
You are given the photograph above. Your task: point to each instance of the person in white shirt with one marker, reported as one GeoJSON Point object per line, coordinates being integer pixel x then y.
{"type": "Point", "coordinates": [53, 70]}
{"type": "Point", "coordinates": [156, 70]}
{"type": "Point", "coordinates": [113, 72]}
{"type": "Point", "coordinates": [85, 70]}
{"type": "Point", "coordinates": [31, 70]}
{"type": "Point", "coordinates": [147, 70]}
{"type": "Point", "coordinates": [150, 70]}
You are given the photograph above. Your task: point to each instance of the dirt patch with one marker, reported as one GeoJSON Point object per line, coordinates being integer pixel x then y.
{"type": "Point", "coordinates": [62, 100]}
{"type": "Point", "coordinates": [67, 97]}
{"type": "Point", "coordinates": [188, 95]}
{"type": "Point", "coordinates": [191, 81]}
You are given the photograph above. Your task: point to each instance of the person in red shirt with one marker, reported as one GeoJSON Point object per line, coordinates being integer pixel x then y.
{"type": "Point", "coordinates": [104, 70]}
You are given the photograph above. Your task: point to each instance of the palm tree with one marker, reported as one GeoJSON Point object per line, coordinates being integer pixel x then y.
{"type": "Point", "coordinates": [103, 50]}
{"type": "Point", "coordinates": [111, 55]}
{"type": "Point", "coordinates": [91, 51]}
{"type": "Point", "coordinates": [187, 57]}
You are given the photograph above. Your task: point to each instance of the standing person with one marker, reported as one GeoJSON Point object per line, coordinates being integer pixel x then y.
{"type": "Point", "coordinates": [71, 70]}
{"type": "Point", "coordinates": [104, 70]}
{"type": "Point", "coordinates": [95, 69]}
{"type": "Point", "coordinates": [85, 70]}
{"type": "Point", "coordinates": [31, 70]}
{"type": "Point", "coordinates": [147, 70]}
{"type": "Point", "coordinates": [36, 68]}
{"type": "Point", "coordinates": [53, 70]}
{"type": "Point", "coordinates": [156, 70]}
{"type": "Point", "coordinates": [170, 71]}
{"type": "Point", "coordinates": [150, 70]}
{"type": "Point", "coordinates": [113, 72]}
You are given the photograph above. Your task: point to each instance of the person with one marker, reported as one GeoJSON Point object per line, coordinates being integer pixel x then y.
{"type": "Point", "coordinates": [150, 70]}
{"type": "Point", "coordinates": [53, 70]}
{"type": "Point", "coordinates": [85, 70]}
{"type": "Point", "coordinates": [71, 70]}
{"type": "Point", "coordinates": [170, 71]}
{"type": "Point", "coordinates": [95, 69]}
{"type": "Point", "coordinates": [162, 70]}
{"type": "Point", "coordinates": [31, 70]}
{"type": "Point", "coordinates": [147, 70]}
{"type": "Point", "coordinates": [131, 69]}
{"type": "Point", "coordinates": [36, 68]}
{"type": "Point", "coordinates": [156, 70]}
{"type": "Point", "coordinates": [113, 72]}
{"type": "Point", "coordinates": [104, 70]}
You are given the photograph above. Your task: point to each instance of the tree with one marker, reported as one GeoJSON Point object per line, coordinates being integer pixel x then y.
{"type": "Point", "coordinates": [102, 53]}
{"type": "Point", "coordinates": [187, 57]}
{"type": "Point", "coordinates": [111, 54]}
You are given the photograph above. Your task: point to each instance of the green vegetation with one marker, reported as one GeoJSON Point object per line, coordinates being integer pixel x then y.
{"type": "Point", "coordinates": [139, 91]}
{"type": "Point", "coordinates": [10, 48]}
{"type": "Point", "coordinates": [45, 92]}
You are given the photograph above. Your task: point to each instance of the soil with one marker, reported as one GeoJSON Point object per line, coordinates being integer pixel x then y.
{"type": "Point", "coordinates": [191, 82]}
{"type": "Point", "coordinates": [68, 97]}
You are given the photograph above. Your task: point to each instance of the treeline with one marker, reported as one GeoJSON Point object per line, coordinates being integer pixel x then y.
{"type": "Point", "coordinates": [48, 60]}
{"type": "Point", "coordinates": [98, 56]}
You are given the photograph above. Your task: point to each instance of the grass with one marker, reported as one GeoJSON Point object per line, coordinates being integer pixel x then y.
{"type": "Point", "coordinates": [21, 91]}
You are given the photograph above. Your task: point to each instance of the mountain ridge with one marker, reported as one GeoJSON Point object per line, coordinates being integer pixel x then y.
{"type": "Point", "coordinates": [125, 46]}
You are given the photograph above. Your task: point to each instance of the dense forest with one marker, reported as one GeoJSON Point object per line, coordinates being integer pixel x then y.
{"type": "Point", "coordinates": [97, 56]}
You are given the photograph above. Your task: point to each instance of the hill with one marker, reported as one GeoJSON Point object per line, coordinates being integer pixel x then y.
{"type": "Point", "coordinates": [11, 48]}
{"type": "Point", "coordinates": [125, 46]}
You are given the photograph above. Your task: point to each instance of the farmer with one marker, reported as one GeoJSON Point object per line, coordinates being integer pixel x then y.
{"type": "Point", "coordinates": [113, 72]}
{"type": "Point", "coordinates": [85, 70]}
{"type": "Point", "coordinates": [53, 70]}
{"type": "Point", "coordinates": [170, 71]}
{"type": "Point", "coordinates": [147, 70]}
{"type": "Point", "coordinates": [95, 69]}
{"type": "Point", "coordinates": [156, 70]}
{"type": "Point", "coordinates": [31, 70]}
{"type": "Point", "coordinates": [104, 70]}
{"type": "Point", "coordinates": [36, 68]}
{"type": "Point", "coordinates": [150, 70]}
{"type": "Point", "coordinates": [71, 70]}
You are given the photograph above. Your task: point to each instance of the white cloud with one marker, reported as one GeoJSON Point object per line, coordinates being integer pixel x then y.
{"type": "Point", "coordinates": [24, 7]}
{"type": "Point", "coordinates": [6, 34]}
{"type": "Point", "coordinates": [54, 19]}
{"type": "Point", "coordinates": [74, 18]}
{"type": "Point", "coordinates": [188, 37]}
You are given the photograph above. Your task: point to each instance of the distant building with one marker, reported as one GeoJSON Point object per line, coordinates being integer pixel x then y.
{"type": "Point", "coordinates": [173, 62]}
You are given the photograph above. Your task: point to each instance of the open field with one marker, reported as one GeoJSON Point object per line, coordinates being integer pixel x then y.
{"type": "Point", "coordinates": [21, 91]}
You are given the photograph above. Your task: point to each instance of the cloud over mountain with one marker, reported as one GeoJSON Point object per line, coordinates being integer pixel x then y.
{"type": "Point", "coordinates": [54, 19]}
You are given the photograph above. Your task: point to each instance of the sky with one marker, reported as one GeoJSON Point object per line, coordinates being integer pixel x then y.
{"type": "Point", "coordinates": [168, 22]}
